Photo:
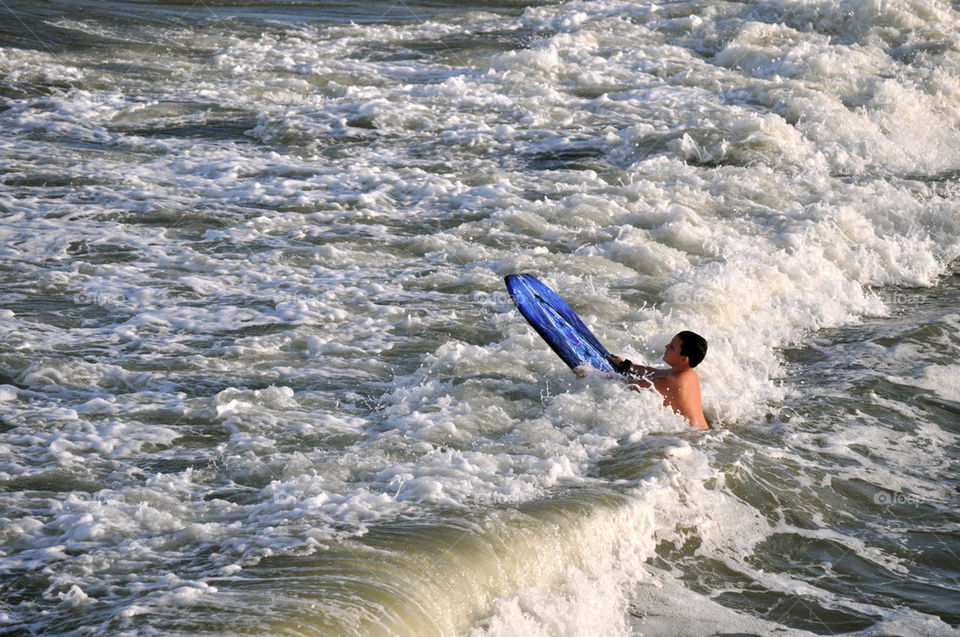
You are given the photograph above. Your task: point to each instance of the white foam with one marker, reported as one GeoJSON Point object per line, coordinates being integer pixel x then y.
{"type": "Point", "coordinates": [315, 297]}
{"type": "Point", "coordinates": [942, 380]}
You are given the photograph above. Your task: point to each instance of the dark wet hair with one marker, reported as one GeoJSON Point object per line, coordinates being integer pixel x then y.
{"type": "Point", "coordinates": [693, 346]}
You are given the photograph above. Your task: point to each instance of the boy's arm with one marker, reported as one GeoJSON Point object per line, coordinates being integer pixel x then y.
{"type": "Point", "coordinates": [627, 368]}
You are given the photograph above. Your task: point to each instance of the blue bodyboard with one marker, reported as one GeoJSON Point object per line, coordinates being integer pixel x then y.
{"type": "Point", "coordinates": [556, 323]}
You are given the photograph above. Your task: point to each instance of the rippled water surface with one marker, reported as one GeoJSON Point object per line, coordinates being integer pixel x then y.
{"type": "Point", "coordinates": [260, 374]}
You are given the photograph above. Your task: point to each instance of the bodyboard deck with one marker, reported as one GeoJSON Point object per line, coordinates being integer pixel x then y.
{"type": "Point", "coordinates": [556, 323]}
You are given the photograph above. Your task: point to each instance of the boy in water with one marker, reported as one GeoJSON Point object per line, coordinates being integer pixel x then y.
{"type": "Point", "coordinates": [679, 385]}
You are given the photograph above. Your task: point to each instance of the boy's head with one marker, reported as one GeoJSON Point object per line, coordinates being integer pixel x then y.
{"type": "Point", "coordinates": [693, 346]}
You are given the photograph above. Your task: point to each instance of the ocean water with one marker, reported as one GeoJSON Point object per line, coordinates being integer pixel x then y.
{"type": "Point", "coordinates": [259, 374]}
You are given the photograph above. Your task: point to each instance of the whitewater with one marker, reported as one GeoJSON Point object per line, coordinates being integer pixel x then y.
{"type": "Point", "coordinates": [260, 374]}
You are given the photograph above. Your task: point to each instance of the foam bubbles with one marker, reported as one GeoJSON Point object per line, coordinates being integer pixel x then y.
{"type": "Point", "coordinates": [256, 309]}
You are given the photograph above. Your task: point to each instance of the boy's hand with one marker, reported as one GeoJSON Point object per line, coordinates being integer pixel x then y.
{"type": "Point", "coordinates": [620, 365]}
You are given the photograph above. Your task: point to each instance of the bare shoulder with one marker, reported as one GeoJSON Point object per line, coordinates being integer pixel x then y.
{"type": "Point", "coordinates": [681, 391]}
{"type": "Point", "coordinates": [686, 378]}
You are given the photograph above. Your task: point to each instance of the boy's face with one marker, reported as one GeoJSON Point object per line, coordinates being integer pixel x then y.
{"type": "Point", "coordinates": [672, 355]}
